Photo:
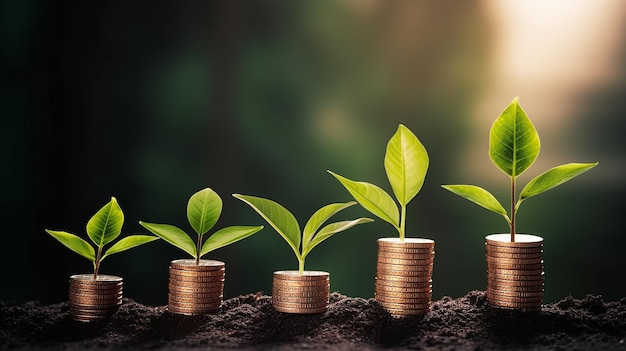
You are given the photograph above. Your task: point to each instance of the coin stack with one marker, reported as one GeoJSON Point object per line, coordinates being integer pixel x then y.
{"type": "Point", "coordinates": [94, 299]}
{"type": "Point", "coordinates": [404, 275]}
{"type": "Point", "coordinates": [514, 271]}
{"type": "Point", "coordinates": [195, 288]}
{"type": "Point", "coordinates": [302, 293]}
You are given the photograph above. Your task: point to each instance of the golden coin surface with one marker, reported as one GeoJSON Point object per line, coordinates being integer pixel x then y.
{"type": "Point", "coordinates": [383, 271]}
{"type": "Point", "coordinates": [515, 272]}
{"type": "Point", "coordinates": [299, 310]}
{"type": "Point", "coordinates": [303, 293]}
{"type": "Point", "coordinates": [491, 296]}
{"type": "Point", "coordinates": [405, 262]}
{"type": "Point", "coordinates": [518, 306]}
{"type": "Point", "coordinates": [513, 255]}
{"type": "Point", "coordinates": [407, 243]}
{"type": "Point", "coordinates": [407, 312]}
{"type": "Point", "coordinates": [196, 295]}
{"type": "Point", "coordinates": [404, 306]}
{"type": "Point", "coordinates": [499, 292]}
{"type": "Point", "coordinates": [304, 276]}
{"type": "Point", "coordinates": [521, 240]}
{"type": "Point", "coordinates": [190, 264]}
{"type": "Point", "coordinates": [514, 249]}
{"type": "Point", "coordinates": [517, 267]}
{"type": "Point", "coordinates": [399, 289]}
{"type": "Point", "coordinates": [405, 267]}
{"type": "Point", "coordinates": [388, 276]}
{"type": "Point", "coordinates": [300, 305]}
{"type": "Point", "coordinates": [101, 279]}
{"type": "Point", "coordinates": [313, 284]}
{"type": "Point", "coordinates": [513, 261]}
{"type": "Point", "coordinates": [193, 274]}
{"type": "Point", "coordinates": [196, 280]}
{"type": "Point", "coordinates": [385, 255]}
{"type": "Point", "coordinates": [404, 285]}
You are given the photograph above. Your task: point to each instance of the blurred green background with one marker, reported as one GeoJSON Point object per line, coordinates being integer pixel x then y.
{"type": "Point", "coordinates": [151, 101]}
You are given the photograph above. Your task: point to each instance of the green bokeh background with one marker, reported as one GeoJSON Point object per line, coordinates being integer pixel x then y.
{"type": "Point", "coordinates": [150, 102]}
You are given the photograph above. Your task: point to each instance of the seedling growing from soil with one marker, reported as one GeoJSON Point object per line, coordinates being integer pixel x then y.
{"type": "Point", "coordinates": [406, 164]}
{"type": "Point", "coordinates": [513, 147]}
{"type": "Point", "coordinates": [285, 223]}
{"type": "Point", "coordinates": [104, 227]}
{"type": "Point", "coordinates": [203, 210]}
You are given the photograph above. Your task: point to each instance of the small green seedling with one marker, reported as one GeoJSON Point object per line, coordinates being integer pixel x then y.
{"type": "Point", "coordinates": [287, 226]}
{"type": "Point", "coordinates": [104, 227]}
{"type": "Point", "coordinates": [513, 147]}
{"type": "Point", "coordinates": [406, 164]}
{"type": "Point", "coordinates": [203, 210]}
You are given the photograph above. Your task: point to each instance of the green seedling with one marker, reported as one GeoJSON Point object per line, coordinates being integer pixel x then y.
{"type": "Point", "coordinates": [285, 223]}
{"type": "Point", "coordinates": [104, 227]}
{"type": "Point", "coordinates": [203, 210]}
{"type": "Point", "coordinates": [406, 164]}
{"type": "Point", "coordinates": [513, 147]}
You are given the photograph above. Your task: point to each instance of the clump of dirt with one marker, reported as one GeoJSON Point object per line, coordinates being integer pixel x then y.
{"type": "Point", "coordinates": [250, 322]}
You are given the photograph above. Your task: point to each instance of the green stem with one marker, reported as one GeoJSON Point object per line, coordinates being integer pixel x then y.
{"type": "Point", "coordinates": [96, 263]}
{"type": "Point", "coordinates": [513, 210]}
{"type": "Point", "coordinates": [301, 265]}
{"type": "Point", "coordinates": [402, 222]}
{"type": "Point", "coordinates": [198, 248]}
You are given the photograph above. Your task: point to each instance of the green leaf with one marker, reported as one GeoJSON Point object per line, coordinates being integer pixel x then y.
{"type": "Point", "coordinates": [406, 163]}
{"type": "Point", "coordinates": [553, 178]}
{"type": "Point", "coordinates": [74, 243]}
{"type": "Point", "coordinates": [513, 141]}
{"type": "Point", "coordinates": [227, 236]}
{"type": "Point", "coordinates": [203, 210]}
{"type": "Point", "coordinates": [128, 243]}
{"type": "Point", "coordinates": [373, 199]}
{"type": "Point", "coordinates": [106, 224]}
{"type": "Point", "coordinates": [478, 196]}
{"type": "Point", "coordinates": [319, 217]}
{"type": "Point", "coordinates": [172, 235]}
{"type": "Point", "coordinates": [330, 230]}
{"type": "Point", "coordinates": [278, 217]}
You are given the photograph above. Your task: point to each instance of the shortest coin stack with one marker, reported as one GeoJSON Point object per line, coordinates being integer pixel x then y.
{"type": "Point", "coordinates": [404, 275]}
{"type": "Point", "coordinates": [515, 271]}
{"type": "Point", "coordinates": [195, 288]}
{"type": "Point", "coordinates": [302, 293]}
{"type": "Point", "coordinates": [94, 299]}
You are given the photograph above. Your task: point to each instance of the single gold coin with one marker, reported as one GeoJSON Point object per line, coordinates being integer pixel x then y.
{"type": "Point", "coordinates": [399, 289]}
{"type": "Point", "coordinates": [513, 249]}
{"type": "Point", "coordinates": [407, 312]}
{"type": "Point", "coordinates": [95, 295]}
{"type": "Point", "coordinates": [514, 272]}
{"type": "Point", "coordinates": [521, 240]}
{"type": "Point", "coordinates": [299, 305]}
{"type": "Point", "coordinates": [424, 274]}
{"type": "Point", "coordinates": [196, 295]}
{"type": "Point", "coordinates": [517, 267]}
{"type": "Point", "coordinates": [404, 285]}
{"type": "Point", "coordinates": [301, 293]}
{"type": "Point", "coordinates": [299, 310]}
{"type": "Point", "coordinates": [203, 265]}
{"type": "Point", "coordinates": [404, 306]}
{"type": "Point", "coordinates": [194, 305]}
{"type": "Point", "coordinates": [407, 243]}
{"type": "Point", "coordinates": [196, 274]}
{"type": "Point", "coordinates": [386, 255]}
{"type": "Point", "coordinates": [293, 276]}
{"type": "Point", "coordinates": [102, 279]}
{"type": "Point", "coordinates": [405, 268]}
{"type": "Point", "coordinates": [521, 294]}
{"type": "Point", "coordinates": [300, 300]}
{"type": "Point", "coordinates": [405, 262]}
{"type": "Point", "coordinates": [513, 261]}
{"type": "Point", "coordinates": [513, 255]}
{"type": "Point", "coordinates": [390, 276]}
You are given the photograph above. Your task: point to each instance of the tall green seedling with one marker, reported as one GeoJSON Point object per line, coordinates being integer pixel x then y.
{"type": "Point", "coordinates": [103, 228]}
{"type": "Point", "coordinates": [203, 210]}
{"type": "Point", "coordinates": [285, 223]}
{"type": "Point", "coordinates": [513, 147]}
{"type": "Point", "coordinates": [406, 164]}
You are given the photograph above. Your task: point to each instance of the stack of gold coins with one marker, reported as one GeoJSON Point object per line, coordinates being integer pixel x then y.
{"type": "Point", "coordinates": [195, 288]}
{"type": "Point", "coordinates": [302, 293]}
{"type": "Point", "coordinates": [94, 299]}
{"type": "Point", "coordinates": [514, 271]}
{"type": "Point", "coordinates": [404, 275]}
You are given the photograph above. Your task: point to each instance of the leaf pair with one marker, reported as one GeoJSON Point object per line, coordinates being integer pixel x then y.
{"type": "Point", "coordinates": [203, 210]}
{"type": "Point", "coordinates": [513, 147]}
{"type": "Point", "coordinates": [104, 227]}
{"type": "Point", "coordinates": [285, 223]}
{"type": "Point", "coordinates": [406, 164]}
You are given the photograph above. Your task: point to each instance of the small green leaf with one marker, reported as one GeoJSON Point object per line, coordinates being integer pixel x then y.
{"type": "Point", "coordinates": [478, 196]}
{"type": "Point", "coordinates": [203, 210]}
{"type": "Point", "coordinates": [319, 217]}
{"type": "Point", "coordinates": [172, 235]}
{"type": "Point", "coordinates": [128, 243]}
{"type": "Point", "coordinates": [406, 163]}
{"type": "Point", "coordinates": [553, 178]}
{"type": "Point", "coordinates": [106, 224]}
{"type": "Point", "coordinates": [330, 230]}
{"type": "Point", "coordinates": [513, 141]}
{"type": "Point", "coordinates": [74, 243]}
{"type": "Point", "coordinates": [278, 217]}
{"type": "Point", "coordinates": [373, 199]}
{"type": "Point", "coordinates": [227, 236]}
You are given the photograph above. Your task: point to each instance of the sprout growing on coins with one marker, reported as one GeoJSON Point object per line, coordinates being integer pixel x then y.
{"type": "Point", "coordinates": [285, 223]}
{"type": "Point", "coordinates": [406, 164]}
{"type": "Point", "coordinates": [513, 147]}
{"type": "Point", "coordinates": [203, 210]}
{"type": "Point", "coordinates": [104, 227]}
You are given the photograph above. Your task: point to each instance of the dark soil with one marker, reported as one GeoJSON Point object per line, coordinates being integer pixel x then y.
{"type": "Point", "coordinates": [250, 322]}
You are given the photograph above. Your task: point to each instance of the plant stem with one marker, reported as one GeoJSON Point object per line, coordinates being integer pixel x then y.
{"type": "Point", "coordinates": [301, 265]}
{"type": "Point", "coordinates": [96, 263]}
{"type": "Point", "coordinates": [512, 209]}
{"type": "Point", "coordinates": [198, 248]}
{"type": "Point", "coordinates": [402, 222]}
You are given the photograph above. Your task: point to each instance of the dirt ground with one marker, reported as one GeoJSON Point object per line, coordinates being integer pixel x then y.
{"type": "Point", "coordinates": [249, 322]}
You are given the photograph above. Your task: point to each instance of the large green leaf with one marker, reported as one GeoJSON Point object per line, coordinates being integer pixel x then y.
{"type": "Point", "coordinates": [553, 178]}
{"type": "Point", "coordinates": [330, 230]}
{"type": "Point", "coordinates": [203, 210]}
{"type": "Point", "coordinates": [406, 163]}
{"type": "Point", "coordinates": [227, 236]}
{"type": "Point", "coordinates": [278, 217]}
{"type": "Point", "coordinates": [513, 141]}
{"type": "Point", "coordinates": [478, 196]}
{"type": "Point", "coordinates": [319, 217]}
{"type": "Point", "coordinates": [172, 235]}
{"type": "Point", "coordinates": [373, 199]}
{"type": "Point", "coordinates": [74, 243]}
{"type": "Point", "coordinates": [128, 243]}
{"type": "Point", "coordinates": [106, 224]}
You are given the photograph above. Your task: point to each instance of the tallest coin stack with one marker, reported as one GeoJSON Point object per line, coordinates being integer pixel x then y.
{"type": "Point", "coordinates": [515, 271]}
